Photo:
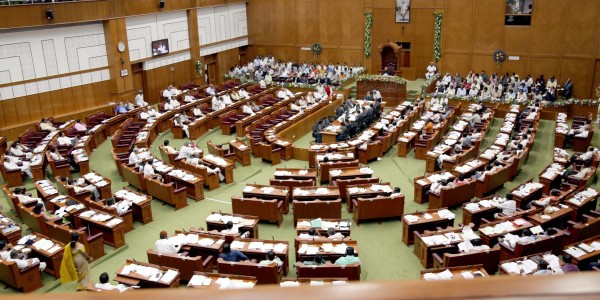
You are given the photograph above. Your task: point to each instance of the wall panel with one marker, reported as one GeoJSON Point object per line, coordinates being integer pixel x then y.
{"type": "Point", "coordinates": [516, 39]}
{"type": "Point", "coordinates": [581, 71]}
{"type": "Point", "coordinates": [487, 25]}
{"type": "Point", "coordinates": [459, 20]}
{"type": "Point", "coordinates": [548, 27]}
{"type": "Point", "coordinates": [306, 21]}
{"type": "Point", "coordinates": [582, 27]}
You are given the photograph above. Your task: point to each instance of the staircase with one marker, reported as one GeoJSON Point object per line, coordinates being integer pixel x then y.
{"type": "Point", "coordinates": [411, 96]}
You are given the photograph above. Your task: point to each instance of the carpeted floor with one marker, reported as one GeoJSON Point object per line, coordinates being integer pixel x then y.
{"type": "Point", "coordinates": [382, 252]}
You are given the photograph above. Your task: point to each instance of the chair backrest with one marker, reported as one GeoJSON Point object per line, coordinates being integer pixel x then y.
{"type": "Point", "coordinates": [159, 190]}
{"type": "Point", "coordinates": [134, 177]}
{"type": "Point", "coordinates": [265, 274]}
{"type": "Point", "coordinates": [186, 265]}
{"type": "Point", "coordinates": [490, 259]}
{"type": "Point", "coordinates": [352, 271]}
{"type": "Point", "coordinates": [35, 222]}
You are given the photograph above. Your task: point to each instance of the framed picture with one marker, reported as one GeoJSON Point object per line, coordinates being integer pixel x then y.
{"type": "Point", "coordinates": [402, 11]}
{"type": "Point", "coordinates": [518, 12]}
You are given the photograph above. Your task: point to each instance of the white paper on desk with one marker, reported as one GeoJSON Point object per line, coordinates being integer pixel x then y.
{"type": "Point", "coordinates": [127, 269]}
{"type": "Point", "coordinates": [255, 245]}
{"type": "Point", "coordinates": [248, 189]}
{"type": "Point", "coordinates": [422, 182]}
{"type": "Point", "coordinates": [586, 247]}
{"type": "Point", "coordinates": [536, 229]}
{"type": "Point", "coordinates": [327, 247]}
{"type": "Point", "coordinates": [511, 267]}
{"type": "Point", "coordinates": [197, 280]}
{"type": "Point", "coordinates": [427, 216]}
{"type": "Point", "coordinates": [289, 284]}
{"type": "Point", "coordinates": [446, 275]}
{"type": "Point", "coordinates": [54, 249]}
{"type": "Point", "coordinates": [303, 249]}
{"type": "Point", "coordinates": [279, 248]}
{"type": "Point", "coordinates": [237, 245]}
{"type": "Point", "coordinates": [467, 275]}
{"type": "Point", "coordinates": [312, 250]}
{"type": "Point", "coordinates": [316, 283]}
{"type": "Point", "coordinates": [596, 245]}
{"type": "Point", "coordinates": [169, 276]}
{"type": "Point", "coordinates": [575, 252]}
{"type": "Point", "coordinates": [530, 264]}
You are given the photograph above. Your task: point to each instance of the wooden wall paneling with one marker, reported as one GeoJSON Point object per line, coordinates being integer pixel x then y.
{"type": "Point", "coordinates": [67, 99]}
{"type": "Point", "coordinates": [283, 30]}
{"type": "Point", "coordinates": [35, 15]}
{"type": "Point", "coordinates": [22, 109]}
{"type": "Point", "coordinates": [329, 23]}
{"type": "Point", "coordinates": [596, 82]}
{"type": "Point", "coordinates": [47, 105]}
{"type": "Point", "coordinates": [516, 40]}
{"type": "Point", "coordinates": [225, 61]}
{"type": "Point", "coordinates": [488, 21]}
{"type": "Point", "coordinates": [57, 103]}
{"type": "Point", "coordinates": [306, 19]}
{"type": "Point", "coordinates": [548, 26]}
{"type": "Point", "coordinates": [101, 93]}
{"type": "Point", "coordinates": [481, 62]}
{"type": "Point", "coordinates": [581, 71]}
{"type": "Point", "coordinates": [457, 63]}
{"type": "Point", "coordinates": [260, 22]}
{"type": "Point", "coordinates": [520, 66]}
{"type": "Point", "coordinates": [87, 95]}
{"type": "Point", "coordinates": [582, 27]}
{"type": "Point", "coordinates": [351, 57]}
{"type": "Point", "coordinates": [421, 53]}
{"type": "Point", "coordinates": [458, 25]}
{"type": "Point", "coordinates": [352, 14]}
{"type": "Point", "coordinates": [548, 66]}
{"type": "Point", "coordinates": [78, 101]}
{"type": "Point", "coordinates": [35, 109]}
{"type": "Point", "coordinates": [10, 112]}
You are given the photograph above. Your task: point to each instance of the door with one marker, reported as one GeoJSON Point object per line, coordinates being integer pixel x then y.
{"type": "Point", "coordinates": [211, 71]}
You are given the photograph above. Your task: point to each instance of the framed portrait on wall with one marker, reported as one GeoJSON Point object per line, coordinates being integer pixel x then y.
{"type": "Point", "coordinates": [402, 11]}
{"type": "Point", "coordinates": [518, 12]}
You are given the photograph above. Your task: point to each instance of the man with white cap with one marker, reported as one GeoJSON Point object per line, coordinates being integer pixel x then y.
{"type": "Point", "coordinates": [139, 99]}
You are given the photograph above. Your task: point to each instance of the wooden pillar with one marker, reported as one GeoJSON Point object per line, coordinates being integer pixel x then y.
{"type": "Point", "coordinates": [192, 15]}
{"type": "Point", "coordinates": [121, 87]}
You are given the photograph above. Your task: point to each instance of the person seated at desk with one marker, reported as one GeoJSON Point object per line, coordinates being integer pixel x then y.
{"type": "Point", "coordinates": [133, 156]}
{"type": "Point", "coordinates": [436, 187]}
{"type": "Point", "coordinates": [174, 104]}
{"type": "Point", "coordinates": [80, 186]}
{"type": "Point", "coordinates": [5, 250]}
{"type": "Point", "coordinates": [170, 92]}
{"type": "Point", "coordinates": [168, 148]}
{"type": "Point", "coordinates": [263, 84]}
{"type": "Point", "coordinates": [583, 173]}
{"type": "Point", "coordinates": [149, 170]}
{"type": "Point", "coordinates": [545, 201]}
{"type": "Point", "coordinates": [311, 234]}
{"type": "Point", "coordinates": [428, 128]}
{"type": "Point", "coordinates": [24, 263]}
{"type": "Point", "coordinates": [106, 286]}
{"type": "Point", "coordinates": [511, 240]}
{"type": "Point", "coordinates": [195, 160]}
{"type": "Point", "coordinates": [587, 156]}
{"type": "Point", "coordinates": [121, 108]}
{"type": "Point", "coordinates": [466, 141]}
{"type": "Point", "coordinates": [210, 90]}
{"type": "Point", "coordinates": [57, 157]}
{"type": "Point", "coordinates": [295, 106]}
{"type": "Point", "coordinates": [129, 106]}
{"type": "Point", "coordinates": [302, 103]}
{"type": "Point", "coordinates": [47, 125]}
{"type": "Point", "coordinates": [255, 107]}
{"type": "Point", "coordinates": [11, 165]}
{"type": "Point", "coordinates": [197, 112]}
{"type": "Point", "coordinates": [507, 204]}
{"type": "Point", "coordinates": [472, 245]}
{"type": "Point", "coordinates": [188, 149]}
{"type": "Point", "coordinates": [181, 120]}
{"type": "Point", "coordinates": [24, 198]}
{"type": "Point", "coordinates": [349, 258]}
{"type": "Point", "coordinates": [80, 127]}
{"type": "Point", "coordinates": [139, 99]}
{"type": "Point", "coordinates": [271, 258]}
{"type": "Point", "coordinates": [543, 269]}
{"type": "Point", "coordinates": [568, 265]}
{"type": "Point", "coordinates": [227, 100]}
{"type": "Point", "coordinates": [189, 98]}
{"type": "Point", "coordinates": [333, 235]}
{"type": "Point", "coordinates": [316, 262]}
{"type": "Point", "coordinates": [18, 149]}
{"type": "Point", "coordinates": [229, 228]}
{"type": "Point", "coordinates": [247, 110]}
{"type": "Point", "coordinates": [64, 140]}
{"type": "Point", "coordinates": [164, 245]}
{"type": "Point", "coordinates": [368, 96]}
{"type": "Point", "coordinates": [232, 255]}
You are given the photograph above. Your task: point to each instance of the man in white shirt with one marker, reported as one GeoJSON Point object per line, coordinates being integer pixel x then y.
{"type": "Point", "coordinates": [168, 148]}
{"type": "Point", "coordinates": [271, 258]}
{"type": "Point", "coordinates": [282, 94]}
{"type": "Point", "coordinates": [331, 234]}
{"type": "Point", "coordinates": [133, 156]}
{"type": "Point", "coordinates": [47, 125]}
{"type": "Point", "coordinates": [194, 159]}
{"type": "Point", "coordinates": [180, 121]}
{"type": "Point", "coordinates": [246, 109]}
{"type": "Point", "coordinates": [17, 149]}
{"type": "Point", "coordinates": [188, 149]}
{"type": "Point", "coordinates": [24, 198]}
{"type": "Point", "coordinates": [197, 112]}
{"type": "Point", "coordinates": [139, 99]}
{"type": "Point", "coordinates": [164, 245]}
{"type": "Point", "coordinates": [10, 165]}
{"type": "Point", "coordinates": [508, 205]}
{"type": "Point", "coordinates": [65, 140]}
{"type": "Point", "coordinates": [106, 286]}
{"type": "Point", "coordinates": [5, 250]}
{"type": "Point", "coordinates": [24, 263]}
{"type": "Point", "coordinates": [80, 185]}
{"type": "Point", "coordinates": [210, 90]}
{"type": "Point", "coordinates": [149, 170]}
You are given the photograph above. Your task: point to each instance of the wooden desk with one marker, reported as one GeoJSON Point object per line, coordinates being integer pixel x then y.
{"type": "Point", "coordinates": [423, 184]}
{"type": "Point", "coordinates": [97, 179]}
{"type": "Point", "coordinates": [242, 152]}
{"type": "Point", "coordinates": [308, 193]}
{"type": "Point", "coordinates": [582, 203]}
{"type": "Point", "coordinates": [551, 179]}
{"type": "Point", "coordinates": [349, 173]}
{"type": "Point", "coordinates": [38, 167]}
{"type": "Point", "coordinates": [583, 260]}
{"type": "Point", "coordinates": [198, 276]}
{"type": "Point", "coordinates": [491, 237]}
{"type": "Point", "coordinates": [198, 127]}
{"type": "Point", "coordinates": [457, 271]}
{"type": "Point", "coordinates": [246, 223]}
{"type": "Point", "coordinates": [226, 167]}
{"type": "Point", "coordinates": [296, 174]}
{"type": "Point", "coordinates": [330, 256]}
{"type": "Point", "coordinates": [81, 158]}
{"type": "Point", "coordinates": [113, 235]}
{"type": "Point", "coordinates": [10, 231]}
{"type": "Point", "coordinates": [558, 219]}
{"type": "Point", "coordinates": [134, 278]}
{"type": "Point", "coordinates": [46, 190]}
{"type": "Point", "coordinates": [475, 216]}
{"type": "Point", "coordinates": [280, 193]}
{"type": "Point", "coordinates": [316, 281]}
{"type": "Point", "coordinates": [142, 210]}
{"type": "Point", "coordinates": [406, 143]}
{"type": "Point", "coordinates": [522, 196]}
{"type": "Point", "coordinates": [422, 224]}
{"type": "Point", "coordinates": [194, 186]}
{"type": "Point", "coordinates": [535, 258]}
{"type": "Point", "coordinates": [368, 190]}
{"type": "Point", "coordinates": [52, 259]}
{"type": "Point", "coordinates": [257, 249]}
{"type": "Point", "coordinates": [342, 226]}
{"type": "Point", "coordinates": [469, 167]}
{"type": "Point", "coordinates": [425, 247]}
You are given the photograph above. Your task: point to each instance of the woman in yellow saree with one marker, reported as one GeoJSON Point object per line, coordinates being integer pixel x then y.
{"type": "Point", "coordinates": [74, 266]}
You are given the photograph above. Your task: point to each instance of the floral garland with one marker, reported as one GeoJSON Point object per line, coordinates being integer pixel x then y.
{"type": "Point", "coordinates": [198, 67]}
{"type": "Point", "coordinates": [368, 24]}
{"type": "Point", "coordinates": [381, 78]}
{"type": "Point", "coordinates": [437, 36]}
{"type": "Point", "coordinates": [499, 56]}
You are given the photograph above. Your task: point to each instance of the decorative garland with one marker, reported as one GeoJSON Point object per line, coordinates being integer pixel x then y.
{"type": "Point", "coordinates": [368, 24]}
{"type": "Point", "coordinates": [499, 56]}
{"type": "Point", "coordinates": [381, 78]}
{"type": "Point", "coordinates": [316, 49]}
{"type": "Point", "coordinates": [437, 36]}
{"type": "Point", "coordinates": [198, 67]}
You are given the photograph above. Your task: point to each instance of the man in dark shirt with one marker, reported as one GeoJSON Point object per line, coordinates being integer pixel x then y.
{"type": "Point", "coordinates": [232, 255]}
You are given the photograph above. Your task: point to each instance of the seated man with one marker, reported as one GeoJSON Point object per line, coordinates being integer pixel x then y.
{"type": "Point", "coordinates": [11, 165]}
{"type": "Point", "coordinates": [133, 156]}
{"type": "Point", "coordinates": [312, 234]}
{"type": "Point", "coordinates": [246, 109]}
{"type": "Point", "coordinates": [149, 170]}
{"type": "Point", "coordinates": [81, 185]}
{"type": "Point", "coordinates": [317, 261]}
{"type": "Point", "coordinates": [139, 99]}
{"type": "Point", "coordinates": [47, 125]}
{"type": "Point", "coordinates": [585, 171]}
{"type": "Point", "coordinates": [80, 127]}
{"type": "Point", "coordinates": [24, 198]}
{"type": "Point", "coordinates": [104, 285]}
{"type": "Point", "coordinates": [121, 108]}
{"type": "Point", "coordinates": [180, 121]}
{"type": "Point", "coordinates": [195, 159]}
{"type": "Point", "coordinates": [5, 250]}
{"type": "Point", "coordinates": [164, 245]}
{"type": "Point", "coordinates": [64, 140]}
{"type": "Point", "coordinates": [232, 255]}
{"type": "Point", "coordinates": [230, 229]}
{"type": "Point", "coordinates": [24, 263]}
{"type": "Point", "coordinates": [542, 269]}
{"type": "Point", "coordinates": [508, 205]}
{"type": "Point", "coordinates": [349, 258]}
{"type": "Point", "coordinates": [472, 245]}
{"type": "Point", "coordinates": [197, 112]}
{"type": "Point", "coordinates": [568, 265]}
{"type": "Point", "coordinates": [17, 149]}
{"type": "Point", "coordinates": [57, 157]}
{"type": "Point", "coordinates": [334, 235]}
{"type": "Point", "coordinates": [271, 258]}
{"type": "Point", "coordinates": [168, 148]}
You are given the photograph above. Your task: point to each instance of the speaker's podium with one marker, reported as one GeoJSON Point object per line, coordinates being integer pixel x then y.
{"type": "Point", "coordinates": [395, 60]}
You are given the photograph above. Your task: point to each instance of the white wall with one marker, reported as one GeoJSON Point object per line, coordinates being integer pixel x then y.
{"type": "Point", "coordinates": [142, 30]}
{"type": "Point", "coordinates": [224, 27]}
{"type": "Point", "coordinates": [34, 53]}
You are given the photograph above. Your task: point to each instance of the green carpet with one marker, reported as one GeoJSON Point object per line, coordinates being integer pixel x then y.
{"type": "Point", "coordinates": [382, 252]}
